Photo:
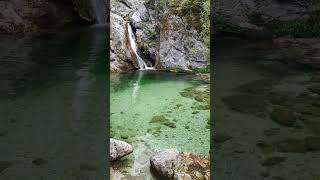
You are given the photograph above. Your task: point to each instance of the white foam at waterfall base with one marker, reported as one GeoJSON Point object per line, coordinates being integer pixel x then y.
{"type": "Point", "coordinates": [132, 38]}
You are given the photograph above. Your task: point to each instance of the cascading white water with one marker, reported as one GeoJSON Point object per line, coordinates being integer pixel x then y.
{"type": "Point", "coordinates": [132, 38]}
{"type": "Point", "coordinates": [99, 7]}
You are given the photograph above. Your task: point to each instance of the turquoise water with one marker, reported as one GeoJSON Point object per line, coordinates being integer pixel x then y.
{"type": "Point", "coordinates": [139, 100]}
{"type": "Point", "coordinates": [52, 105]}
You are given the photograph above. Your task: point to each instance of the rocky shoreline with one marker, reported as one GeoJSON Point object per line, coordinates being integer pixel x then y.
{"type": "Point", "coordinates": [166, 164]}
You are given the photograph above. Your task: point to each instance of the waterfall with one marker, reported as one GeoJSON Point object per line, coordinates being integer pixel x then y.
{"type": "Point", "coordinates": [99, 7]}
{"type": "Point", "coordinates": [132, 38]}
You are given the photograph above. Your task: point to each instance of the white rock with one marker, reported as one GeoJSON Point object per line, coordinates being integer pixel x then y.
{"type": "Point", "coordinates": [118, 149]}
{"type": "Point", "coordinates": [164, 162]}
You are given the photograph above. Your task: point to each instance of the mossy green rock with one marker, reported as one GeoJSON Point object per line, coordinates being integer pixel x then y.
{"type": "Point", "coordinates": [163, 120]}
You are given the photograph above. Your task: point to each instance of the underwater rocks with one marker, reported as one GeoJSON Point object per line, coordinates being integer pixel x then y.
{"type": "Point", "coordinates": [246, 103]}
{"type": "Point", "coordinates": [119, 149]}
{"type": "Point", "coordinates": [171, 164]}
{"type": "Point", "coordinates": [300, 52]}
{"type": "Point", "coordinates": [283, 116]}
{"type": "Point", "coordinates": [200, 93]}
{"type": "Point", "coordinates": [163, 120]}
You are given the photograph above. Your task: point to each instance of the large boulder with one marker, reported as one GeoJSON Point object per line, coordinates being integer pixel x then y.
{"type": "Point", "coordinates": [253, 15]}
{"type": "Point", "coordinates": [21, 16]}
{"type": "Point", "coordinates": [180, 46]}
{"type": "Point", "coordinates": [119, 149]}
{"type": "Point", "coordinates": [171, 164]}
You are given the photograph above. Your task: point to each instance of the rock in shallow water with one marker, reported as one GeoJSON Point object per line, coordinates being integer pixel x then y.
{"type": "Point", "coordinates": [119, 149]}
{"type": "Point", "coordinates": [170, 164]}
{"type": "Point", "coordinates": [164, 162]}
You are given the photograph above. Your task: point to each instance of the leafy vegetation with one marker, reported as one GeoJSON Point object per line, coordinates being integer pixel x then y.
{"type": "Point", "coordinates": [298, 28]}
{"type": "Point", "coordinates": [202, 70]}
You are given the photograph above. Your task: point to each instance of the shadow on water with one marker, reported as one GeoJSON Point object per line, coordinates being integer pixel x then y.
{"type": "Point", "coordinates": [265, 121]}
{"type": "Point", "coordinates": [52, 106]}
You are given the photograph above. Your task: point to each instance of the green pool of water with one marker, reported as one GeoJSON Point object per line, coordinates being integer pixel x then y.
{"type": "Point", "coordinates": [150, 111]}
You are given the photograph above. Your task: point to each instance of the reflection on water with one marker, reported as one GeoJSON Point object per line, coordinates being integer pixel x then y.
{"type": "Point", "coordinates": [52, 106]}
{"type": "Point", "coordinates": [262, 117]}
{"type": "Point", "coordinates": [136, 86]}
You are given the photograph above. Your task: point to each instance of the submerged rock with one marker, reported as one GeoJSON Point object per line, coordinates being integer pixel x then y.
{"type": "Point", "coordinates": [283, 116]}
{"type": "Point", "coordinates": [119, 149]}
{"type": "Point", "coordinates": [163, 120]}
{"type": "Point", "coordinates": [246, 103]}
{"type": "Point", "coordinates": [170, 164]}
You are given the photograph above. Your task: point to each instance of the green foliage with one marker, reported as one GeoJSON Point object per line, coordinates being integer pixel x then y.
{"type": "Point", "coordinates": [202, 70]}
{"type": "Point", "coordinates": [195, 12]}
{"type": "Point", "coordinates": [299, 28]}
{"type": "Point", "coordinates": [205, 20]}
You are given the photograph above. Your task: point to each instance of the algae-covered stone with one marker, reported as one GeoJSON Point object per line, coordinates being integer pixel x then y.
{"type": "Point", "coordinates": [246, 103]}
{"type": "Point", "coordinates": [156, 131]}
{"type": "Point", "coordinates": [163, 120]}
{"type": "Point", "coordinates": [171, 164]}
{"type": "Point", "coordinates": [159, 119]}
{"type": "Point", "coordinates": [170, 124]}
{"type": "Point", "coordinates": [202, 107]}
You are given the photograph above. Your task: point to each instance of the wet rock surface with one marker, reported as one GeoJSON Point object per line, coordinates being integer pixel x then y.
{"type": "Point", "coordinates": [171, 164]}
{"type": "Point", "coordinates": [181, 48]}
{"type": "Point", "coordinates": [254, 16]}
{"type": "Point", "coordinates": [119, 149]}
{"type": "Point", "coordinates": [20, 16]}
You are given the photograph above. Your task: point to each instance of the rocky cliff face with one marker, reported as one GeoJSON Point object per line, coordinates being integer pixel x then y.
{"type": "Point", "coordinates": [21, 16]}
{"type": "Point", "coordinates": [164, 41]}
{"type": "Point", "coordinates": [256, 15]}
{"type": "Point", "coordinates": [143, 20]}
